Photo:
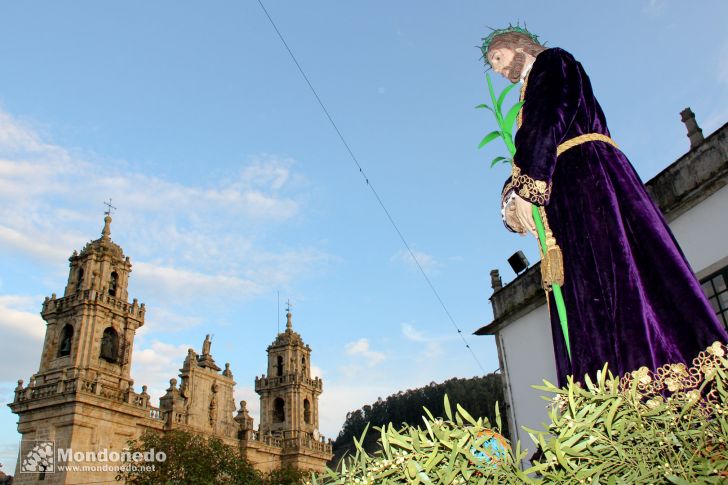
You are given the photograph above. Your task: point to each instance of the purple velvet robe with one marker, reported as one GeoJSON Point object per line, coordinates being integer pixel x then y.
{"type": "Point", "coordinates": [631, 297]}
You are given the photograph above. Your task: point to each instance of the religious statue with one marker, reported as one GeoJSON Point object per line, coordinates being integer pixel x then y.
{"type": "Point", "coordinates": [206, 345]}
{"type": "Point", "coordinates": [631, 297]}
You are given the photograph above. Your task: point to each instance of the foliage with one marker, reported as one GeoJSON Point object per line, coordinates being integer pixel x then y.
{"type": "Point", "coordinates": [285, 476]}
{"type": "Point", "coordinates": [450, 450]}
{"type": "Point", "coordinates": [669, 426]}
{"type": "Point", "coordinates": [505, 122]}
{"type": "Point", "coordinates": [193, 459]}
{"type": "Point", "coordinates": [477, 394]}
{"type": "Point", "coordinates": [664, 427]}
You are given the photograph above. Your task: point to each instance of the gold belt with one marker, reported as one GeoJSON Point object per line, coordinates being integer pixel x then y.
{"type": "Point", "coordinates": [578, 140]}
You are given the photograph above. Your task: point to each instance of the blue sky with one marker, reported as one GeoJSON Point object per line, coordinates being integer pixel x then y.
{"type": "Point", "coordinates": [231, 185]}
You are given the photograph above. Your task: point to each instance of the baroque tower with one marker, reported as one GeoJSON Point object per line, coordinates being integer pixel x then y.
{"type": "Point", "coordinates": [82, 395]}
{"type": "Point", "coordinates": [289, 399]}
{"type": "Point", "coordinates": [92, 327]}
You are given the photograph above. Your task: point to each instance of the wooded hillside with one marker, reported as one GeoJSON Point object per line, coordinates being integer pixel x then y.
{"type": "Point", "coordinates": [477, 395]}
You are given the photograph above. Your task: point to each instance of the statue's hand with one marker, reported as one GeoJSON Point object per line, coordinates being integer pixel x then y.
{"type": "Point", "coordinates": [511, 219]}
{"type": "Point", "coordinates": [522, 216]}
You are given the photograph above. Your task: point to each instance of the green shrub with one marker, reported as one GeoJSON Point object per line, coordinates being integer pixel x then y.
{"type": "Point", "coordinates": [669, 426]}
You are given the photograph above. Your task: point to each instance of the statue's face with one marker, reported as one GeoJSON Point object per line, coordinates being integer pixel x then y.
{"type": "Point", "coordinates": [501, 59]}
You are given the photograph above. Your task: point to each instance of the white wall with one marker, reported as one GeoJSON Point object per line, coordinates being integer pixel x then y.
{"type": "Point", "coordinates": [703, 231]}
{"type": "Point", "coordinates": [528, 359]}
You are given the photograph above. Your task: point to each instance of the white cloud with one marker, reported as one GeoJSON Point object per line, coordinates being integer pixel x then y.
{"type": "Point", "coordinates": [360, 349]}
{"type": "Point", "coordinates": [17, 137]}
{"type": "Point", "coordinates": [316, 371]}
{"type": "Point", "coordinates": [8, 456]}
{"type": "Point", "coordinates": [426, 261]}
{"type": "Point", "coordinates": [20, 324]}
{"type": "Point", "coordinates": [432, 344]}
{"type": "Point", "coordinates": [15, 318]}
{"type": "Point", "coordinates": [183, 237]}
{"type": "Point", "coordinates": [155, 365]}
{"type": "Point", "coordinates": [34, 246]}
{"type": "Point", "coordinates": [162, 320]}
{"type": "Point", "coordinates": [184, 283]}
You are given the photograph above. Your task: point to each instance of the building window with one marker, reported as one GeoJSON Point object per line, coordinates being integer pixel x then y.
{"type": "Point", "coordinates": [109, 345]}
{"type": "Point", "coordinates": [279, 366]}
{"type": "Point", "coordinates": [279, 410]}
{"type": "Point", "coordinates": [306, 411]}
{"type": "Point", "coordinates": [64, 348]}
{"type": "Point", "coordinates": [113, 282]}
{"type": "Point", "coordinates": [303, 365]}
{"type": "Point", "coordinates": [79, 278]}
{"type": "Point", "coordinates": [715, 287]}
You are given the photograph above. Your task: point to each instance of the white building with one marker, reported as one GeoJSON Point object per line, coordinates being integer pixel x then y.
{"type": "Point", "coordinates": [693, 196]}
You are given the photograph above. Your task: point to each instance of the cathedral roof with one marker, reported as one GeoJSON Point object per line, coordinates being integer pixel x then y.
{"type": "Point", "coordinates": [104, 245]}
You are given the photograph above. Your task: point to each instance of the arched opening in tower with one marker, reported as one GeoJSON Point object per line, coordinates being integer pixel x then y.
{"type": "Point", "coordinates": [113, 282]}
{"type": "Point", "coordinates": [306, 411]}
{"type": "Point", "coordinates": [279, 410]}
{"type": "Point", "coordinates": [64, 348]}
{"type": "Point", "coordinates": [109, 345]}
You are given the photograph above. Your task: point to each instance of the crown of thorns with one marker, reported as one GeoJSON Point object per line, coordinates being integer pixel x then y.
{"type": "Point", "coordinates": [496, 32]}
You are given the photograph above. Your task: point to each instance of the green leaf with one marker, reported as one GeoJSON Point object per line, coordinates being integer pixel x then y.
{"type": "Point", "coordinates": [610, 416]}
{"type": "Point", "coordinates": [489, 138]}
{"type": "Point", "coordinates": [485, 106]}
{"type": "Point", "coordinates": [497, 412]}
{"type": "Point", "coordinates": [465, 414]}
{"type": "Point", "coordinates": [502, 96]}
{"type": "Point", "coordinates": [499, 159]}
{"type": "Point", "coordinates": [510, 118]}
{"type": "Point", "coordinates": [448, 411]}
{"type": "Point", "coordinates": [492, 97]}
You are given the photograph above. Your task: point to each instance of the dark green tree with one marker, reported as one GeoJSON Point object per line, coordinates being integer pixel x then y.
{"type": "Point", "coordinates": [190, 459]}
{"type": "Point", "coordinates": [285, 476]}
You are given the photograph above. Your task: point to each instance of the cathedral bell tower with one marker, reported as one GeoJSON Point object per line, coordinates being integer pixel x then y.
{"type": "Point", "coordinates": [91, 328]}
{"type": "Point", "coordinates": [288, 394]}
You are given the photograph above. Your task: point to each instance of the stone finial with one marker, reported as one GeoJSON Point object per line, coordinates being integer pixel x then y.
{"type": "Point", "coordinates": [695, 134]}
{"type": "Point", "coordinates": [227, 372]}
{"type": "Point", "coordinates": [172, 384]}
{"type": "Point", "coordinates": [495, 280]}
{"type": "Point", "coordinates": [106, 231]}
{"type": "Point", "coordinates": [289, 323]}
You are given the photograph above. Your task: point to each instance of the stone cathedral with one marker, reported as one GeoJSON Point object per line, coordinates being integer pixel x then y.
{"type": "Point", "coordinates": [83, 398]}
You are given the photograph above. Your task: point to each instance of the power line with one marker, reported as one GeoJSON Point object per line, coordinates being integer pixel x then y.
{"type": "Point", "coordinates": [371, 187]}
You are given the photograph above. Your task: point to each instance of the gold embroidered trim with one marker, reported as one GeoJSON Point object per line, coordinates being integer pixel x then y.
{"type": "Point", "coordinates": [681, 382]}
{"type": "Point", "coordinates": [519, 118]}
{"type": "Point", "coordinates": [552, 262]}
{"type": "Point", "coordinates": [578, 140]}
{"type": "Point", "coordinates": [537, 191]}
